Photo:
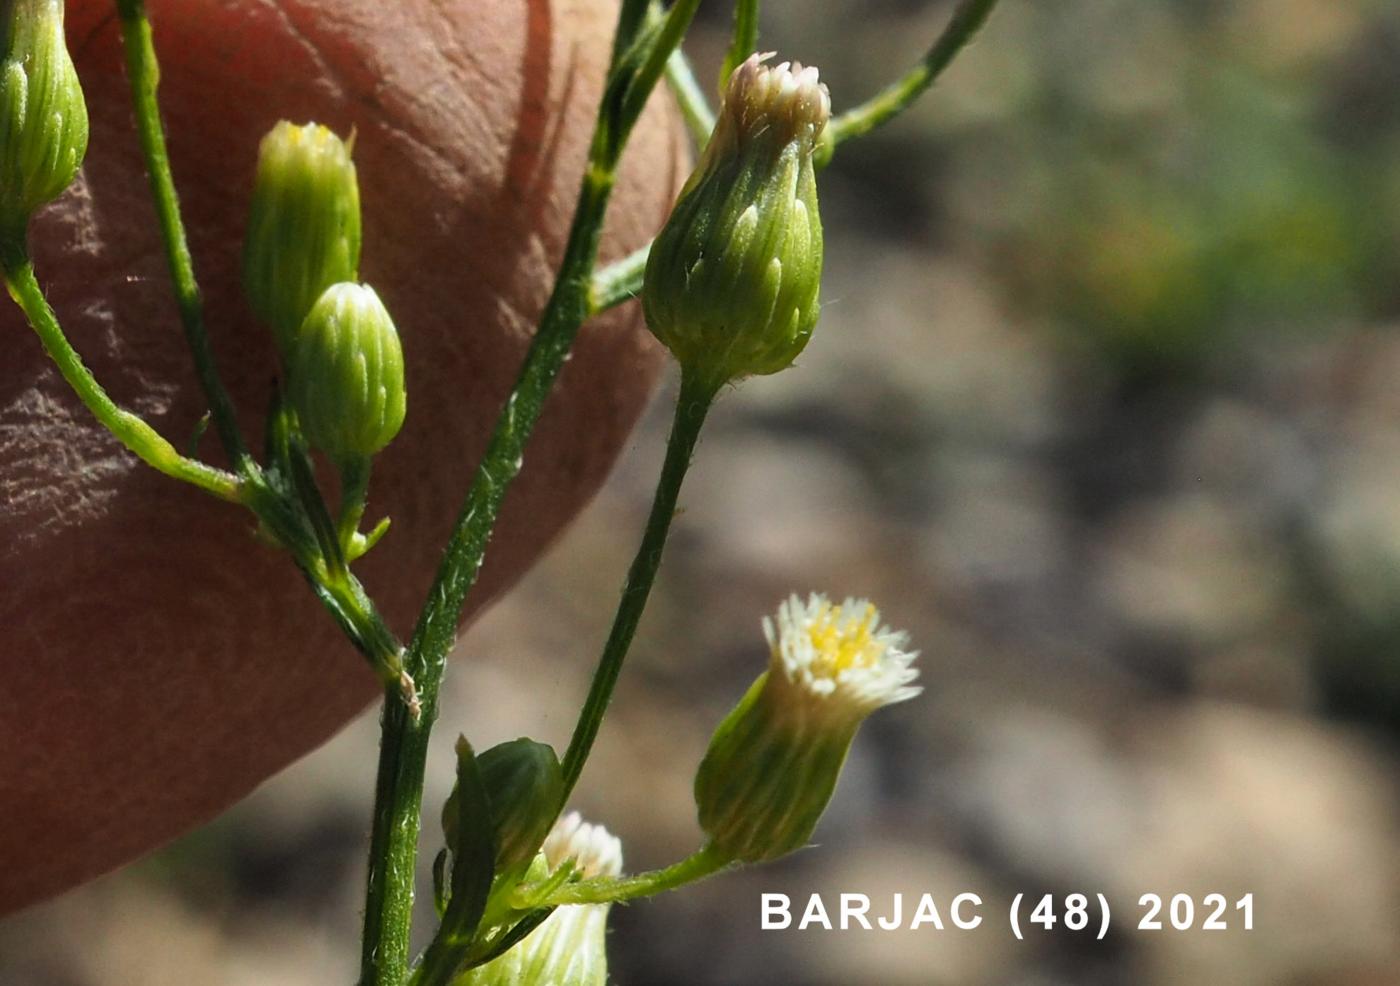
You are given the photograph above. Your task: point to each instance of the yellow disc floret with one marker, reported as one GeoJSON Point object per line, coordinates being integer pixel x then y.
{"type": "Point", "coordinates": [841, 658]}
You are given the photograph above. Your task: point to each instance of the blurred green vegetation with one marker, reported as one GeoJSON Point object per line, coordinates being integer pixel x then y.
{"type": "Point", "coordinates": [1171, 190]}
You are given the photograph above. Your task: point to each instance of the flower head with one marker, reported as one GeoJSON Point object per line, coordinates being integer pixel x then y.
{"type": "Point", "coordinates": [569, 948]}
{"type": "Point", "coordinates": [304, 225]}
{"type": "Point", "coordinates": [733, 278]}
{"type": "Point", "coordinates": [838, 661]}
{"type": "Point", "coordinates": [523, 787]}
{"type": "Point", "coordinates": [774, 104]}
{"type": "Point", "coordinates": [774, 761]}
{"type": "Point", "coordinates": [346, 374]}
{"type": "Point", "coordinates": [43, 117]}
{"type": "Point", "coordinates": [592, 849]}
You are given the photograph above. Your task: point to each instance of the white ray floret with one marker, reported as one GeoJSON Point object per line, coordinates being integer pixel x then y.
{"type": "Point", "coordinates": [786, 98]}
{"type": "Point", "coordinates": [842, 659]}
{"type": "Point", "coordinates": [594, 850]}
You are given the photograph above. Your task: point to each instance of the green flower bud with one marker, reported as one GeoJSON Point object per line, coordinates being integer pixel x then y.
{"type": "Point", "coordinates": [524, 785]}
{"type": "Point", "coordinates": [733, 277]}
{"type": "Point", "coordinates": [773, 762]}
{"type": "Point", "coordinates": [304, 227]}
{"type": "Point", "coordinates": [43, 119]}
{"type": "Point", "coordinates": [569, 948]}
{"type": "Point", "coordinates": [346, 375]}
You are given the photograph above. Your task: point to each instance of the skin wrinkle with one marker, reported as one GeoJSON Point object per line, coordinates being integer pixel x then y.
{"type": "Point", "coordinates": [325, 73]}
{"type": "Point", "coordinates": [460, 57]}
{"type": "Point", "coordinates": [52, 505]}
{"type": "Point", "coordinates": [509, 266]}
{"type": "Point", "coordinates": [312, 33]}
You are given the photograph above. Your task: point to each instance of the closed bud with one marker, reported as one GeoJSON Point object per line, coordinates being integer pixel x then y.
{"type": "Point", "coordinates": [773, 762]}
{"type": "Point", "coordinates": [346, 377]}
{"type": "Point", "coordinates": [733, 278]}
{"type": "Point", "coordinates": [43, 119]}
{"type": "Point", "coordinates": [304, 227]}
{"type": "Point", "coordinates": [570, 947]}
{"type": "Point", "coordinates": [524, 785]}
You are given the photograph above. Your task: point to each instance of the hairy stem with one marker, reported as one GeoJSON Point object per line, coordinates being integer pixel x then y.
{"type": "Point", "coordinates": [354, 487]}
{"type": "Point", "coordinates": [144, 73]}
{"type": "Point", "coordinates": [618, 282]}
{"type": "Point", "coordinates": [613, 890]}
{"type": "Point", "coordinates": [404, 737]}
{"type": "Point", "coordinates": [691, 408]}
{"type": "Point", "coordinates": [130, 429]}
{"type": "Point", "coordinates": [404, 742]}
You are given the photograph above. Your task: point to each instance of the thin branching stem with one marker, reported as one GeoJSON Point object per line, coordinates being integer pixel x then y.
{"type": "Point", "coordinates": [692, 406]}
{"type": "Point", "coordinates": [618, 282]}
{"type": "Point", "coordinates": [144, 74]}
{"type": "Point", "coordinates": [690, 96]}
{"type": "Point", "coordinates": [966, 21]}
{"type": "Point", "coordinates": [130, 429]}
{"type": "Point", "coordinates": [631, 15]}
{"type": "Point", "coordinates": [404, 736]}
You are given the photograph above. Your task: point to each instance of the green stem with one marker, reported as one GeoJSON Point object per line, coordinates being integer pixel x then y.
{"type": "Point", "coordinates": [695, 108]}
{"type": "Point", "coordinates": [618, 282]}
{"type": "Point", "coordinates": [631, 15]}
{"type": "Point", "coordinates": [338, 590]}
{"type": "Point", "coordinates": [144, 73]}
{"type": "Point", "coordinates": [398, 797]}
{"type": "Point", "coordinates": [404, 743]}
{"type": "Point", "coordinates": [692, 406]}
{"type": "Point", "coordinates": [744, 40]}
{"type": "Point", "coordinates": [404, 736]}
{"type": "Point", "coordinates": [354, 487]}
{"type": "Point", "coordinates": [614, 890]}
{"type": "Point", "coordinates": [367, 629]}
{"type": "Point", "coordinates": [895, 98]}
{"type": "Point", "coordinates": [130, 429]}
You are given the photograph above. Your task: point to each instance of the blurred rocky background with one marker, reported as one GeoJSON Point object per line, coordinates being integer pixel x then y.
{"type": "Point", "coordinates": [1105, 410]}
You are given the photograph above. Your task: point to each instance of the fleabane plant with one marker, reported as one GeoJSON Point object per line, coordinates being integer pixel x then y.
{"type": "Point", "coordinates": [731, 289]}
{"type": "Point", "coordinates": [731, 286]}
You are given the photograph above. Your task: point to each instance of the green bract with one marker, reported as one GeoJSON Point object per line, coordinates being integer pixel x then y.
{"type": "Point", "coordinates": [43, 119]}
{"type": "Point", "coordinates": [733, 278]}
{"type": "Point", "coordinates": [346, 374]}
{"type": "Point", "coordinates": [304, 228]}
